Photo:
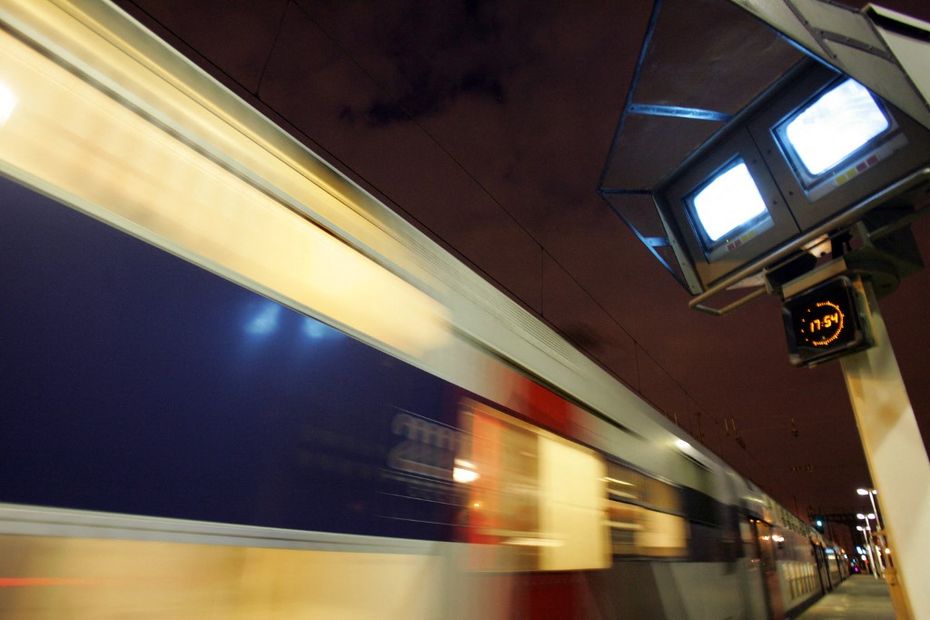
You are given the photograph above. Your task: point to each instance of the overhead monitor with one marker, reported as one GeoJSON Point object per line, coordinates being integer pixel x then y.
{"type": "Point", "coordinates": [833, 127]}
{"type": "Point", "coordinates": [810, 149]}
{"type": "Point", "coordinates": [728, 204]}
{"type": "Point", "coordinates": [842, 129]}
{"type": "Point", "coordinates": [830, 143]}
{"type": "Point", "coordinates": [725, 205]}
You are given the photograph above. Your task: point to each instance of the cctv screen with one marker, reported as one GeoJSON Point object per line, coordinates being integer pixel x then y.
{"type": "Point", "coordinates": [728, 203]}
{"type": "Point", "coordinates": [834, 127]}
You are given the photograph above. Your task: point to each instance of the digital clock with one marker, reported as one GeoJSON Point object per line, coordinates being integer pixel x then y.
{"type": "Point", "coordinates": [826, 322]}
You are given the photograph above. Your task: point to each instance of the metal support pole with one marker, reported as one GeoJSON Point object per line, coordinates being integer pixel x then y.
{"type": "Point", "coordinates": [897, 462]}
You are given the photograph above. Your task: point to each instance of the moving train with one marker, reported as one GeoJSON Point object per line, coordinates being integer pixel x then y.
{"type": "Point", "coordinates": [235, 385]}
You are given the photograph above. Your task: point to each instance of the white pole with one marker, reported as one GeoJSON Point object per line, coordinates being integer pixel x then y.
{"type": "Point", "coordinates": [897, 462]}
{"type": "Point", "coordinates": [868, 550]}
{"type": "Point", "coordinates": [880, 531]}
{"type": "Point", "coordinates": [877, 553]}
{"type": "Point", "coordinates": [878, 521]}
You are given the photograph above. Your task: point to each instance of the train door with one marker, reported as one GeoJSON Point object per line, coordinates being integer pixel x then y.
{"type": "Point", "coordinates": [822, 573]}
{"type": "Point", "coordinates": [768, 569]}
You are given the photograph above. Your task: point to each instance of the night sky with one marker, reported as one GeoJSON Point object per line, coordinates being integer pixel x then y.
{"type": "Point", "coordinates": [487, 125]}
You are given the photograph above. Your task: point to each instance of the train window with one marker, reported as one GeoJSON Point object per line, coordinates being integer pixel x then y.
{"type": "Point", "coordinates": [535, 501]}
{"type": "Point", "coordinates": [625, 522]}
{"type": "Point", "coordinates": [663, 535]}
{"type": "Point", "coordinates": [663, 496]}
{"type": "Point", "coordinates": [624, 484]}
{"type": "Point", "coordinates": [832, 128]}
{"type": "Point", "coordinates": [572, 494]}
{"type": "Point", "coordinates": [641, 515]}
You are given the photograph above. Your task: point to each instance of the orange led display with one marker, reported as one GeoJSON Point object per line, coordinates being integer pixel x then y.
{"type": "Point", "coordinates": [824, 322]}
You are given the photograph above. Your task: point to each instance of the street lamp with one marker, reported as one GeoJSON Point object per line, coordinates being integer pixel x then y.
{"type": "Point", "coordinates": [872, 493]}
{"type": "Point", "coordinates": [882, 541]}
{"type": "Point", "coordinates": [868, 528]}
{"type": "Point", "coordinates": [868, 549]}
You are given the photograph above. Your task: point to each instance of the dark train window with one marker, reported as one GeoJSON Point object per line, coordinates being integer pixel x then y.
{"type": "Point", "coordinates": [642, 515]}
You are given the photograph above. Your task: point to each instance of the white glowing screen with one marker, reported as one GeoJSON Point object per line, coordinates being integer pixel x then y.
{"type": "Point", "coordinates": [835, 126]}
{"type": "Point", "coordinates": [729, 201]}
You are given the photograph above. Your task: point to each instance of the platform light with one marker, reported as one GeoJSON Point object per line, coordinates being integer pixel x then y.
{"type": "Point", "coordinates": [729, 201]}
{"type": "Point", "coordinates": [834, 126]}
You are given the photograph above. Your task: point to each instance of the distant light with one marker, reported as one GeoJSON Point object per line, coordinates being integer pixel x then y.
{"type": "Point", "coordinates": [729, 201]}
{"type": "Point", "coordinates": [859, 515]}
{"type": "Point", "coordinates": [819, 523]}
{"type": "Point", "coordinates": [835, 126]}
{"type": "Point", "coordinates": [887, 550]}
{"type": "Point", "coordinates": [860, 528]}
{"type": "Point", "coordinates": [862, 491]}
{"type": "Point", "coordinates": [464, 472]}
{"type": "Point", "coordinates": [871, 515]}
{"type": "Point", "coordinates": [8, 103]}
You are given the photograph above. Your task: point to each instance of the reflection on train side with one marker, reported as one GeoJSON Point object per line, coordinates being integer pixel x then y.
{"type": "Point", "coordinates": [87, 578]}
{"type": "Point", "coordinates": [536, 501]}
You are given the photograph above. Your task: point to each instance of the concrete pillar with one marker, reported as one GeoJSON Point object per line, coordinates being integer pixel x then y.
{"type": "Point", "coordinates": [898, 464]}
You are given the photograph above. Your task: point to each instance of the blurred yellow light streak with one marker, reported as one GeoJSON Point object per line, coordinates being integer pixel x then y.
{"type": "Point", "coordinates": [86, 578]}
{"type": "Point", "coordinates": [90, 151]}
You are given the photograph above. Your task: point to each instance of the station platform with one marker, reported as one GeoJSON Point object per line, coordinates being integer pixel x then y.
{"type": "Point", "coordinates": [861, 597]}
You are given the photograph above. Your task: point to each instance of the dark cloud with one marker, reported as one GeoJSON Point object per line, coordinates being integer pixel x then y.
{"type": "Point", "coordinates": [444, 51]}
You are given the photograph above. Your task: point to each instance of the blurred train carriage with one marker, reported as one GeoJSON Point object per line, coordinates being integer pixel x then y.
{"type": "Point", "coordinates": [237, 385]}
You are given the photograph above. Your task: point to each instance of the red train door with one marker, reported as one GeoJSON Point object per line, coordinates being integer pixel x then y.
{"type": "Point", "coordinates": [769, 570]}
